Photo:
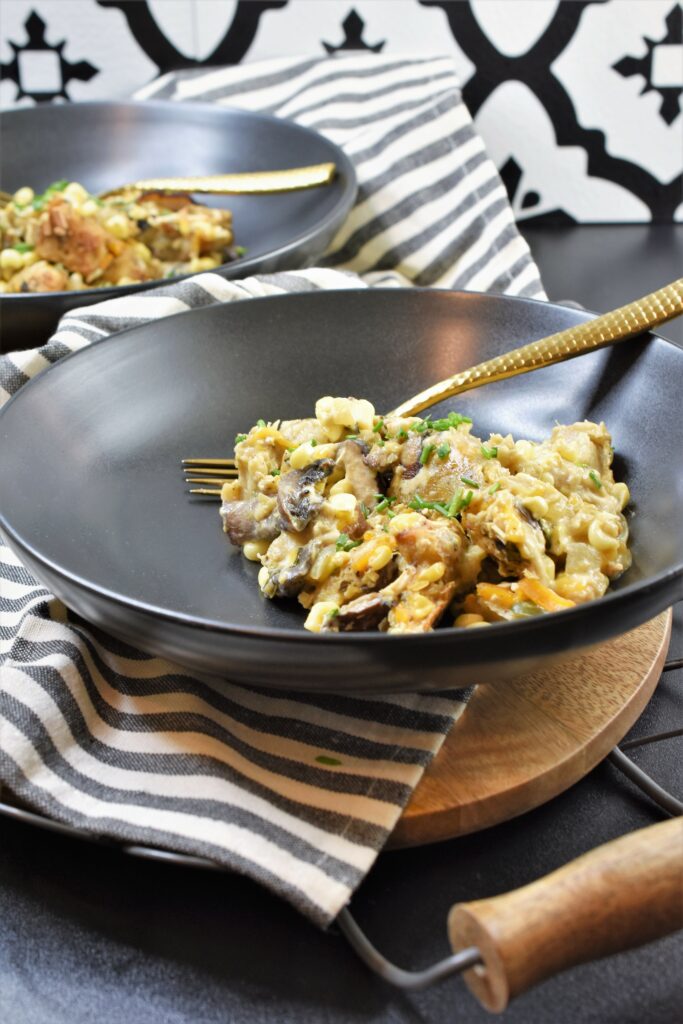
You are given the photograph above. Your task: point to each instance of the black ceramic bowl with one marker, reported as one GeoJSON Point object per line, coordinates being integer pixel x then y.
{"type": "Point", "coordinates": [98, 510]}
{"type": "Point", "coordinates": [103, 145]}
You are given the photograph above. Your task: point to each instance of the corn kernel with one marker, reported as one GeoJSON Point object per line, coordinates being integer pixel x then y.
{"type": "Point", "coordinates": [433, 572]}
{"type": "Point", "coordinates": [89, 208]}
{"type": "Point", "coordinates": [322, 567]}
{"type": "Point", "coordinates": [405, 521]}
{"type": "Point", "coordinates": [380, 557]}
{"type": "Point", "coordinates": [307, 453]}
{"type": "Point", "coordinates": [468, 619]}
{"type": "Point", "coordinates": [118, 225]}
{"type": "Point", "coordinates": [263, 577]}
{"type": "Point", "coordinates": [11, 259]}
{"type": "Point", "coordinates": [421, 606]}
{"type": "Point", "coordinates": [23, 196]}
{"type": "Point", "coordinates": [320, 611]}
{"type": "Point", "coordinates": [344, 504]}
{"type": "Point", "coordinates": [75, 193]}
{"type": "Point", "coordinates": [253, 549]}
{"type": "Point", "coordinates": [341, 487]}
{"type": "Point", "coordinates": [336, 413]}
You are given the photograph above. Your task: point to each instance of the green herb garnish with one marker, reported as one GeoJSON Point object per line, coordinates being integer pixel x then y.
{"type": "Point", "coordinates": [595, 478]}
{"type": "Point", "coordinates": [22, 247]}
{"type": "Point", "coordinates": [378, 426]}
{"type": "Point", "coordinates": [383, 503]}
{"type": "Point", "coordinates": [454, 419]}
{"type": "Point", "coordinates": [425, 453]}
{"type": "Point", "coordinates": [314, 443]}
{"type": "Point", "coordinates": [364, 509]}
{"type": "Point", "coordinates": [275, 472]}
{"type": "Point", "coordinates": [496, 487]}
{"type": "Point", "coordinates": [56, 186]}
{"type": "Point", "coordinates": [451, 511]}
{"type": "Point", "coordinates": [489, 453]}
{"type": "Point", "coordinates": [344, 542]}
{"type": "Point", "coordinates": [260, 423]}
{"type": "Point", "coordinates": [402, 435]}
{"type": "Point", "coordinates": [240, 250]}
{"type": "Point", "coordinates": [443, 450]}
{"type": "Point", "coordinates": [239, 438]}
{"type": "Point", "coordinates": [469, 482]}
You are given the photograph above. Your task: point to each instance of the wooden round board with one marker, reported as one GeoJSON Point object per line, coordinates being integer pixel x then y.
{"type": "Point", "coordinates": [518, 745]}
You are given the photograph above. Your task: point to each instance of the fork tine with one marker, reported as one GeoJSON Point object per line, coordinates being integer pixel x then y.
{"type": "Point", "coordinates": [204, 480]}
{"type": "Point", "coordinates": [205, 490]}
{"type": "Point", "coordinates": [224, 473]}
{"type": "Point", "coordinates": [209, 462]}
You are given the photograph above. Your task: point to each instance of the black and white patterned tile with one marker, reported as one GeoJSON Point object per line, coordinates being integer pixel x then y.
{"type": "Point", "coordinates": [578, 101]}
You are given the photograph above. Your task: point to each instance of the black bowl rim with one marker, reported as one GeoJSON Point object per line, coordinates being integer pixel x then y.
{"type": "Point", "coordinates": [345, 170]}
{"type": "Point", "coordinates": [502, 630]}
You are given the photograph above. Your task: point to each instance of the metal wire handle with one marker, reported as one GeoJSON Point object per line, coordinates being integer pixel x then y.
{"type": "Point", "coordinates": [617, 325]}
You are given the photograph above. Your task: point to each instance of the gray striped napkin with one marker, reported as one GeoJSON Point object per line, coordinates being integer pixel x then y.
{"type": "Point", "coordinates": [297, 791]}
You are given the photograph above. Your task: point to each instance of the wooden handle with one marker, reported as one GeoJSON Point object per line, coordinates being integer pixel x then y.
{"type": "Point", "coordinates": [620, 895]}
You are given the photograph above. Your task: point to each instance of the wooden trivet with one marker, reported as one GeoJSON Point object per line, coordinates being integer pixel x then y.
{"type": "Point", "coordinates": [519, 744]}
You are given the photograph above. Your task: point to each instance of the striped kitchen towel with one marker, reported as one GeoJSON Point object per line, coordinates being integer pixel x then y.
{"type": "Point", "coordinates": [431, 205]}
{"type": "Point", "coordinates": [297, 791]}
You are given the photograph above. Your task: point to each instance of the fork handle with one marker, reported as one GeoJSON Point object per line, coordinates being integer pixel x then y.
{"type": "Point", "coordinates": [607, 329]}
{"type": "Point", "coordinates": [243, 183]}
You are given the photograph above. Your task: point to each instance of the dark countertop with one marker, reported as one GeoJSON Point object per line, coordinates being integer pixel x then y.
{"type": "Point", "coordinates": [88, 934]}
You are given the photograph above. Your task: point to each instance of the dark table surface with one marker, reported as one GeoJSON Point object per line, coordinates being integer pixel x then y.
{"type": "Point", "coordinates": [88, 934]}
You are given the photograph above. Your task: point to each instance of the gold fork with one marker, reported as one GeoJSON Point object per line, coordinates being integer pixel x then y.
{"type": "Point", "coordinates": [607, 329]}
{"type": "Point", "coordinates": [243, 183]}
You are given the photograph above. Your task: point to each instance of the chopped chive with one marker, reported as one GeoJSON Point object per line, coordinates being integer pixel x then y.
{"type": "Point", "coordinates": [392, 515]}
{"type": "Point", "coordinates": [385, 497]}
{"type": "Point", "coordinates": [344, 543]}
{"type": "Point", "coordinates": [323, 759]}
{"type": "Point", "coordinates": [443, 450]}
{"type": "Point", "coordinates": [239, 438]}
{"type": "Point", "coordinates": [380, 442]}
{"type": "Point", "coordinates": [469, 482]}
{"type": "Point", "coordinates": [351, 437]}
{"type": "Point", "coordinates": [384, 503]}
{"type": "Point", "coordinates": [496, 487]}
{"type": "Point", "coordinates": [595, 478]}
{"type": "Point", "coordinates": [240, 250]}
{"type": "Point", "coordinates": [378, 426]}
{"type": "Point", "coordinates": [260, 423]}
{"type": "Point", "coordinates": [489, 453]}
{"type": "Point", "coordinates": [22, 247]}
{"type": "Point", "coordinates": [425, 453]}
{"type": "Point", "coordinates": [402, 435]}
{"type": "Point", "coordinates": [275, 472]}
{"type": "Point", "coordinates": [364, 509]}
{"type": "Point", "coordinates": [314, 443]}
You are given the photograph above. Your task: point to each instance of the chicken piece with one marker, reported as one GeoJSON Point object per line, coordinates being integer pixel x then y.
{"type": "Point", "coordinates": [40, 277]}
{"type": "Point", "coordinates": [511, 536]}
{"type": "Point", "coordinates": [134, 265]}
{"type": "Point", "coordinates": [81, 244]}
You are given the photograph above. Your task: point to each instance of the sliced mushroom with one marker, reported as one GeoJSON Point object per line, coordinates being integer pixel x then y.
{"type": "Point", "coordinates": [241, 525]}
{"type": "Point", "coordinates": [289, 582]}
{"type": "Point", "coordinates": [362, 614]}
{"type": "Point", "coordinates": [297, 497]}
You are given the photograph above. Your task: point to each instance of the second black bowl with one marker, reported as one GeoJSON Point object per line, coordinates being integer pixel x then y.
{"type": "Point", "coordinates": [102, 145]}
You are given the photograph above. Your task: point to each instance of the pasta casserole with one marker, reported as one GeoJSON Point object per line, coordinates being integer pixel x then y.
{"type": "Point", "coordinates": [66, 239]}
{"type": "Point", "coordinates": [396, 524]}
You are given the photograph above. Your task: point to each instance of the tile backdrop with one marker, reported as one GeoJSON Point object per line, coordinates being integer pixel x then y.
{"type": "Point", "coordinates": [578, 101]}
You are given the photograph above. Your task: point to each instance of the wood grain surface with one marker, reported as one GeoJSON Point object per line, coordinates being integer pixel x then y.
{"type": "Point", "coordinates": [523, 742]}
